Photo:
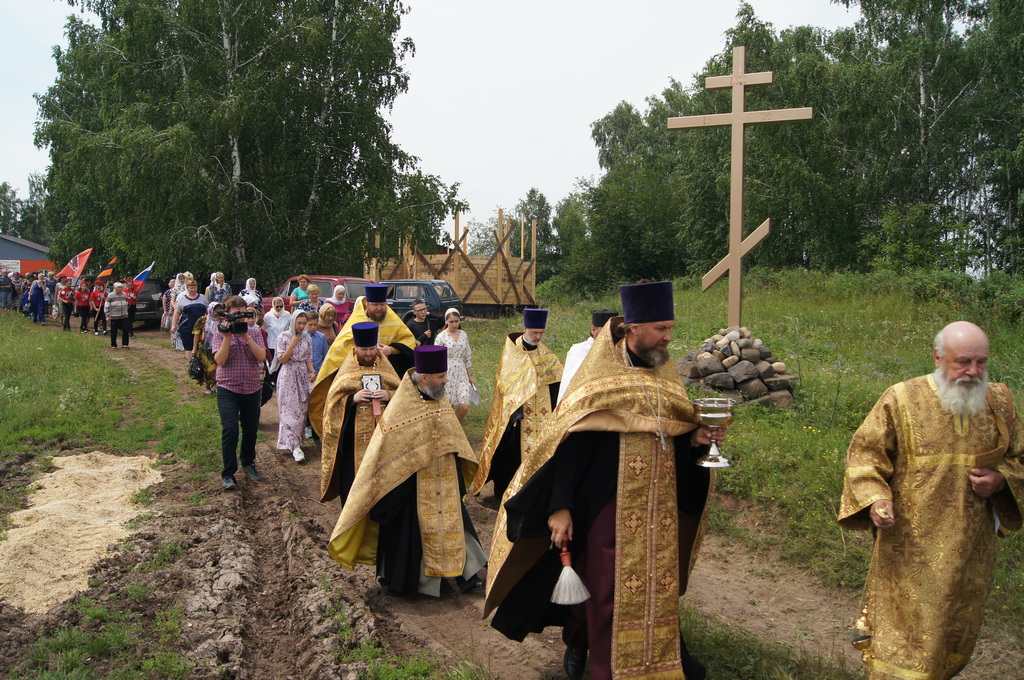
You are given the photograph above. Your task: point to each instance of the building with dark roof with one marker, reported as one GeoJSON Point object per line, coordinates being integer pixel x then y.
{"type": "Point", "coordinates": [20, 255]}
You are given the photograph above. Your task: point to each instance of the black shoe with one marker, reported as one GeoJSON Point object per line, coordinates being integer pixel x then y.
{"type": "Point", "coordinates": [470, 584]}
{"type": "Point", "coordinates": [228, 484]}
{"type": "Point", "coordinates": [574, 662]}
{"type": "Point", "coordinates": [252, 472]}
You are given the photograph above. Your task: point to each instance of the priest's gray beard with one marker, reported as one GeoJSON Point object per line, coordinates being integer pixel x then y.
{"type": "Point", "coordinates": [654, 357]}
{"type": "Point", "coordinates": [965, 396]}
{"type": "Point", "coordinates": [434, 393]}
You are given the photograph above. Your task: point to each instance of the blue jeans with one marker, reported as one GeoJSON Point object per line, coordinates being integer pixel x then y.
{"type": "Point", "coordinates": [237, 409]}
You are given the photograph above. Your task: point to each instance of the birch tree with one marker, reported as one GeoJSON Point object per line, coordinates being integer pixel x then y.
{"type": "Point", "coordinates": [241, 135]}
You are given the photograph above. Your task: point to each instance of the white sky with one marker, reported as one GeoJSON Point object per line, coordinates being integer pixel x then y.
{"type": "Point", "coordinates": [501, 96]}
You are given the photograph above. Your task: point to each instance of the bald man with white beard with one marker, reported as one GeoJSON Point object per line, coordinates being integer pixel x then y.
{"type": "Point", "coordinates": [936, 470]}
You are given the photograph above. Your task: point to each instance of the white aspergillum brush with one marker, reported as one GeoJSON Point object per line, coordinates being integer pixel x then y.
{"type": "Point", "coordinates": [569, 589]}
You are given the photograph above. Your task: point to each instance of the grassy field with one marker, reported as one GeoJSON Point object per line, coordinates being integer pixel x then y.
{"type": "Point", "coordinates": [847, 336]}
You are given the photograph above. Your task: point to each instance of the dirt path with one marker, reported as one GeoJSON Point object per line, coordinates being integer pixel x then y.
{"type": "Point", "coordinates": [263, 600]}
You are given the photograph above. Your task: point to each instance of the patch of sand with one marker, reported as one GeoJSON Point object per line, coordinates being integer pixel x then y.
{"type": "Point", "coordinates": [79, 511]}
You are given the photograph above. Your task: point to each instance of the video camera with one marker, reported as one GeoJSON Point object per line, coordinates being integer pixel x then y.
{"type": "Point", "coordinates": [234, 323]}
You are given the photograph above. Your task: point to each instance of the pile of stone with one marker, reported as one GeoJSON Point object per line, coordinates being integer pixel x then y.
{"type": "Point", "coordinates": [733, 363]}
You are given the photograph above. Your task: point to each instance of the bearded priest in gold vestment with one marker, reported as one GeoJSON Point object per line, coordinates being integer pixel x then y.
{"type": "Point", "coordinates": [394, 338]}
{"type": "Point", "coordinates": [525, 393]}
{"type": "Point", "coordinates": [404, 511]}
{"type": "Point", "coordinates": [614, 473]}
{"type": "Point", "coordinates": [352, 411]}
{"type": "Point", "coordinates": [936, 470]}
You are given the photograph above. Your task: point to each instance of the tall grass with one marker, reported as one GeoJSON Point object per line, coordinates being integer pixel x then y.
{"type": "Point", "coordinates": [61, 391]}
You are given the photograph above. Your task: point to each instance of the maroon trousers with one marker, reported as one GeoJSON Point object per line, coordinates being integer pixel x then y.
{"type": "Point", "coordinates": [590, 623]}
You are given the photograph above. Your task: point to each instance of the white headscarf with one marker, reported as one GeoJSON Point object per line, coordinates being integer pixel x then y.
{"type": "Point", "coordinates": [249, 293]}
{"type": "Point", "coordinates": [338, 299]}
{"type": "Point", "coordinates": [278, 313]}
{"type": "Point", "coordinates": [295, 318]}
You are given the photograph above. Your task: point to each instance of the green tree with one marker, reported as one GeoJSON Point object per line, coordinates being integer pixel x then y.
{"type": "Point", "coordinates": [243, 135]}
{"type": "Point", "coordinates": [8, 209]}
{"type": "Point", "coordinates": [535, 206]}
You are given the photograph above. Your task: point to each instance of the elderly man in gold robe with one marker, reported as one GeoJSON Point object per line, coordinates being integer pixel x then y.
{"type": "Point", "coordinates": [613, 474]}
{"type": "Point", "coordinates": [525, 393]}
{"type": "Point", "coordinates": [936, 470]}
{"type": "Point", "coordinates": [394, 338]}
{"type": "Point", "coordinates": [353, 410]}
{"type": "Point", "coordinates": [404, 512]}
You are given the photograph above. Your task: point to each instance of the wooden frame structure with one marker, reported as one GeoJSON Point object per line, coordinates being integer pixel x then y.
{"type": "Point", "coordinates": [487, 284]}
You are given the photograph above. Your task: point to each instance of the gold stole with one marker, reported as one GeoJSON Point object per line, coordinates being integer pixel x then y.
{"type": "Point", "coordinates": [645, 622]}
{"type": "Point", "coordinates": [522, 380]}
{"type": "Point", "coordinates": [438, 504]}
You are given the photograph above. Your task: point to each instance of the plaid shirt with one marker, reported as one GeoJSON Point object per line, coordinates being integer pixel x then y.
{"type": "Point", "coordinates": [242, 373]}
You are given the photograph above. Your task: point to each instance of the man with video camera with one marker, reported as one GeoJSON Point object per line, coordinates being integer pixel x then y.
{"type": "Point", "coordinates": [239, 351]}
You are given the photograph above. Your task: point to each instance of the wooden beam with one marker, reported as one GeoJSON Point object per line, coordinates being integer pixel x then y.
{"type": "Point", "coordinates": [479, 276]}
{"type": "Point", "coordinates": [511, 279]}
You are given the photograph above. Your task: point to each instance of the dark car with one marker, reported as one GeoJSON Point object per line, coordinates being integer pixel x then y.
{"type": "Point", "coordinates": [150, 306]}
{"type": "Point", "coordinates": [439, 295]}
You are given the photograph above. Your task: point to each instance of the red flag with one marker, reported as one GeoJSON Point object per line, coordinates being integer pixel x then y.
{"type": "Point", "coordinates": [109, 271]}
{"type": "Point", "coordinates": [76, 266]}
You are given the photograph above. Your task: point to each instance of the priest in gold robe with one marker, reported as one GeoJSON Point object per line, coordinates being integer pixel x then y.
{"type": "Point", "coordinates": [525, 393]}
{"type": "Point", "coordinates": [936, 471]}
{"type": "Point", "coordinates": [404, 512]}
{"type": "Point", "coordinates": [614, 473]}
{"type": "Point", "coordinates": [395, 342]}
{"type": "Point", "coordinates": [353, 410]}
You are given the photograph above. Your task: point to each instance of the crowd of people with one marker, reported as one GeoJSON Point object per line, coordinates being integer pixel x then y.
{"type": "Point", "coordinates": [596, 460]}
{"type": "Point", "coordinates": [109, 307]}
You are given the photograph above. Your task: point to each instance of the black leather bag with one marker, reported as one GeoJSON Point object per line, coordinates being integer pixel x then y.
{"type": "Point", "coordinates": [195, 368]}
{"type": "Point", "coordinates": [269, 384]}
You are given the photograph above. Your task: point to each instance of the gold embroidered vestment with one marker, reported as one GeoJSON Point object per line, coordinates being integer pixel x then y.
{"type": "Point", "coordinates": [390, 331]}
{"type": "Point", "coordinates": [655, 550]}
{"type": "Point", "coordinates": [347, 381]}
{"type": "Point", "coordinates": [416, 436]}
{"type": "Point", "coordinates": [931, 573]}
{"type": "Point", "coordinates": [521, 381]}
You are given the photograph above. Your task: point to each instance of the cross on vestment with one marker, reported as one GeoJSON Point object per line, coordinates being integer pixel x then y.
{"type": "Point", "coordinates": [739, 118]}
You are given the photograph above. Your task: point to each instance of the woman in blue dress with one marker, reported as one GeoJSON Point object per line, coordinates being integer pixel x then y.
{"type": "Point", "coordinates": [189, 307]}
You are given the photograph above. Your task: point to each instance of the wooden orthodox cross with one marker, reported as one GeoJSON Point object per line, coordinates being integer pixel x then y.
{"type": "Point", "coordinates": [738, 119]}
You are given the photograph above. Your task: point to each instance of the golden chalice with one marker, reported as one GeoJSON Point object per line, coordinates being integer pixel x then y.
{"type": "Point", "coordinates": [715, 414]}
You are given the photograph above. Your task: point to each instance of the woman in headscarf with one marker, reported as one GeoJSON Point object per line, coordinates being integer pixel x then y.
{"type": "Point", "coordinates": [189, 307]}
{"type": "Point", "coordinates": [276, 321]}
{"type": "Point", "coordinates": [295, 358]}
{"type": "Point", "coordinates": [180, 283]}
{"type": "Point", "coordinates": [328, 324]}
{"type": "Point", "coordinates": [204, 331]}
{"type": "Point", "coordinates": [342, 305]}
{"type": "Point", "coordinates": [218, 289]}
{"type": "Point", "coordinates": [167, 298]}
{"type": "Point", "coordinates": [251, 295]}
